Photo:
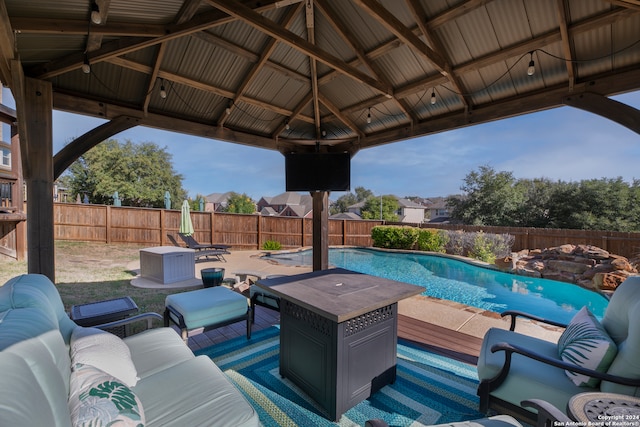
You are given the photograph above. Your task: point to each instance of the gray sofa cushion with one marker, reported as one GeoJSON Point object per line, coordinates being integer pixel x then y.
{"type": "Point", "coordinates": [37, 291]}
{"type": "Point", "coordinates": [23, 401]}
{"type": "Point", "coordinates": [155, 350]}
{"type": "Point", "coordinates": [195, 393]}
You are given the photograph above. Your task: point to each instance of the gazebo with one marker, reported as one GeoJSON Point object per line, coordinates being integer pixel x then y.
{"type": "Point", "coordinates": [310, 76]}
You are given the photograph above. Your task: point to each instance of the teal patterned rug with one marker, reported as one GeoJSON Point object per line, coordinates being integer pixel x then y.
{"type": "Point", "coordinates": [429, 389]}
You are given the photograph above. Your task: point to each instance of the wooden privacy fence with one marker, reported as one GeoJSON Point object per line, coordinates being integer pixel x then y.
{"type": "Point", "coordinates": [159, 227]}
{"type": "Point", "coordinates": [156, 227]}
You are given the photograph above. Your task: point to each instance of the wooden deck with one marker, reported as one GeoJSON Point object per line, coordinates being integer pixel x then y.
{"type": "Point", "coordinates": [431, 337]}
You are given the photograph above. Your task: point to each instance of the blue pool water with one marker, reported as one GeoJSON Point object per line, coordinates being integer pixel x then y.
{"type": "Point", "coordinates": [455, 280]}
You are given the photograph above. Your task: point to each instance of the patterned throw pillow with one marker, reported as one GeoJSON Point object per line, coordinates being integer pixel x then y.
{"type": "Point", "coordinates": [586, 343]}
{"type": "Point", "coordinates": [99, 399]}
{"type": "Point", "coordinates": [105, 351]}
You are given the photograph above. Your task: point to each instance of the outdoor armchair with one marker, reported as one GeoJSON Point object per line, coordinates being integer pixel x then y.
{"type": "Point", "coordinates": [513, 367]}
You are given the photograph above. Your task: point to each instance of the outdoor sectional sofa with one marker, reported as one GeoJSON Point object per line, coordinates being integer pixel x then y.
{"type": "Point", "coordinates": [56, 373]}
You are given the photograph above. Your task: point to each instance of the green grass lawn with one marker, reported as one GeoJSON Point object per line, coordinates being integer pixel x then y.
{"type": "Point", "coordinates": [89, 271]}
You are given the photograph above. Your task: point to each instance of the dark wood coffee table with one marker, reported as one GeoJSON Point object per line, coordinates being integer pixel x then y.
{"type": "Point", "coordinates": [338, 334]}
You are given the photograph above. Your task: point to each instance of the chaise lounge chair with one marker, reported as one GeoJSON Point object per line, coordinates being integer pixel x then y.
{"type": "Point", "coordinates": [217, 250]}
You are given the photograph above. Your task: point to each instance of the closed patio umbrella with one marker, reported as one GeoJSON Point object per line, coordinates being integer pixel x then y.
{"type": "Point", "coordinates": [186, 226]}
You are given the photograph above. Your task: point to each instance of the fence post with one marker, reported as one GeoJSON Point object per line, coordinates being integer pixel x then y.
{"type": "Point", "coordinates": [344, 232]}
{"type": "Point", "coordinates": [163, 227]}
{"type": "Point", "coordinates": [107, 222]}
{"type": "Point", "coordinates": [259, 230]}
{"type": "Point", "coordinates": [604, 243]}
{"type": "Point", "coordinates": [212, 227]}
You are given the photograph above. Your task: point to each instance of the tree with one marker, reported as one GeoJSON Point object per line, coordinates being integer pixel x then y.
{"type": "Point", "coordinates": [491, 198]}
{"type": "Point", "coordinates": [140, 173]}
{"type": "Point", "coordinates": [194, 204]}
{"type": "Point", "coordinates": [240, 203]}
{"type": "Point", "coordinates": [385, 206]}
{"type": "Point", "coordinates": [343, 202]}
{"type": "Point", "coordinates": [363, 194]}
{"type": "Point", "coordinates": [534, 209]}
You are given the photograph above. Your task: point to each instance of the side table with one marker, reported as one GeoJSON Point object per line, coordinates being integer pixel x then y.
{"type": "Point", "coordinates": [605, 409]}
{"type": "Point", "coordinates": [99, 312]}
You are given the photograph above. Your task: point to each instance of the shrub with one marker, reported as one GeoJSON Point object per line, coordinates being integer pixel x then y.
{"type": "Point", "coordinates": [479, 245]}
{"type": "Point", "coordinates": [431, 240]}
{"type": "Point", "coordinates": [481, 248]}
{"type": "Point", "coordinates": [271, 245]}
{"type": "Point", "coordinates": [455, 242]}
{"type": "Point", "coordinates": [394, 237]}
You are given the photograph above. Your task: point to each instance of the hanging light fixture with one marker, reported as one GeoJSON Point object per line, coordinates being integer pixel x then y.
{"type": "Point", "coordinates": [433, 96]}
{"type": "Point", "coordinates": [228, 110]}
{"type": "Point", "coordinates": [96, 18]}
{"type": "Point", "coordinates": [532, 65]}
{"type": "Point", "coordinates": [369, 116]}
{"type": "Point", "coordinates": [163, 91]}
{"type": "Point", "coordinates": [86, 67]}
{"type": "Point", "coordinates": [286, 125]}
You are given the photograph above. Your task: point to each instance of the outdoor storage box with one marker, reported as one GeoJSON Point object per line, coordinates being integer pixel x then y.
{"type": "Point", "coordinates": [167, 264]}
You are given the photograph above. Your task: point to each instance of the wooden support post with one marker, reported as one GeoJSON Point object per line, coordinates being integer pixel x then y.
{"type": "Point", "coordinates": [38, 119]}
{"type": "Point", "coordinates": [320, 230]}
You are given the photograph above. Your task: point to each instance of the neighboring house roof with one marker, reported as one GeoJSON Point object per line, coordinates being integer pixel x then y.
{"type": "Point", "coordinates": [268, 211]}
{"type": "Point", "coordinates": [402, 203]}
{"type": "Point", "coordinates": [406, 203]}
{"type": "Point", "coordinates": [287, 204]}
{"type": "Point", "coordinates": [218, 198]}
{"type": "Point", "coordinates": [296, 210]}
{"type": "Point", "coordinates": [345, 215]}
{"type": "Point", "coordinates": [437, 203]}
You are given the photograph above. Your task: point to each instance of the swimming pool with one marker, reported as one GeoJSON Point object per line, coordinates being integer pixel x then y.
{"type": "Point", "coordinates": [451, 279]}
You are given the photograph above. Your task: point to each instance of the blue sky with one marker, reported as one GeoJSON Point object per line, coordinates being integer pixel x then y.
{"type": "Point", "coordinates": [560, 144]}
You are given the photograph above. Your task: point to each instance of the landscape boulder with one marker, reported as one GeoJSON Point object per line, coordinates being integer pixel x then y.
{"type": "Point", "coordinates": [585, 265]}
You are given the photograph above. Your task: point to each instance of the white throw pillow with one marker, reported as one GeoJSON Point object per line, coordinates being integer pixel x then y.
{"type": "Point", "coordinates": [586, 343]}
{"type": "Point", "coordinates": [105, 351]}
{"type": "Point", "coordinates": [99, 399]}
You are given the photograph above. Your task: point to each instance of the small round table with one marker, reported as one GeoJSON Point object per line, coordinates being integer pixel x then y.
{"type": "Point", "coordinates": [604, 408]}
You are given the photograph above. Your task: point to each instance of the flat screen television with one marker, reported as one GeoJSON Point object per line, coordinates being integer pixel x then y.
{"type": "Point", "coordinates": [317, 171]}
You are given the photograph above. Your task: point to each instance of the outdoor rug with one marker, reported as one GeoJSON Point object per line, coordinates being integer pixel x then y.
{"type": "Point", "coordinates": [429, 389]}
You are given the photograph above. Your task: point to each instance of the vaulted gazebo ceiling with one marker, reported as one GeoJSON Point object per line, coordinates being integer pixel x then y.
{"type": "Point", "coordinates": [346, 75]}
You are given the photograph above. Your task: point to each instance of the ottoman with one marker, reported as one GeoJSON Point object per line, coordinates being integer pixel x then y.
{"type": "Point", "coordinates": [206, 309]}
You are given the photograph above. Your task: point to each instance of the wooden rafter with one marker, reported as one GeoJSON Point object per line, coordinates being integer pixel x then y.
{"type": "Point", "coordinates": [632, 4]}
{"type": "Point", "coordinates": [257, 66]}
{"type": "Point", "coordinates": [420, 17]}
{"type": "Point", "coordinates": [393, 24]}
{"type": "Point", "coordinates": [263, 24]}
{"type": "Point", "coordinates": [94, 40]}
{"type": "Point", "coordinates": [154, 76]}
{"type": "Point", "coordinates": [566, 42]}
{"type": "Point", "coordinates": [117, 48]}
{"type": "Point", "coordinates": [343, 30]}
